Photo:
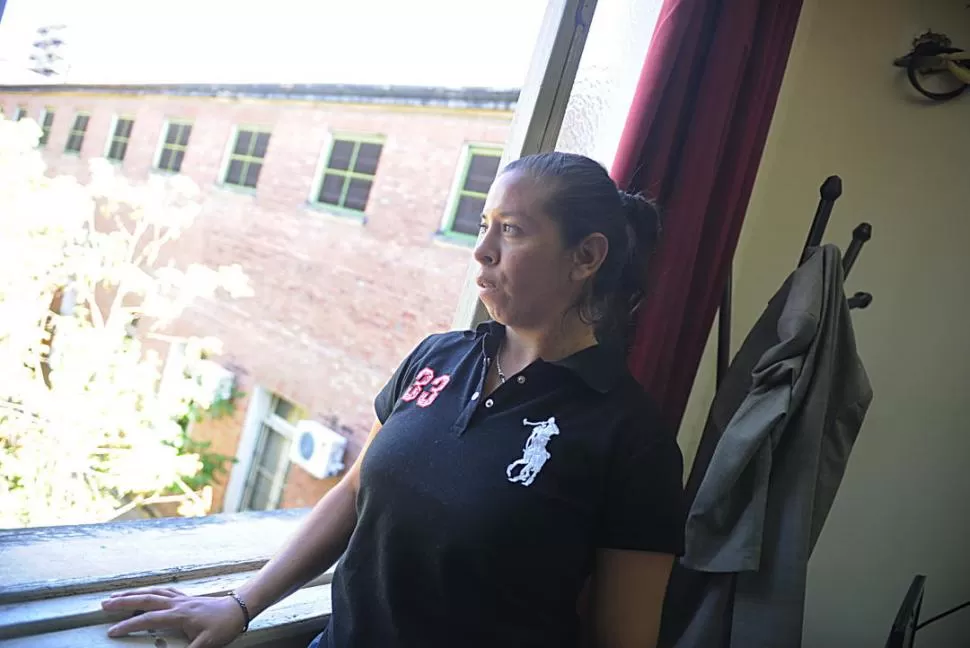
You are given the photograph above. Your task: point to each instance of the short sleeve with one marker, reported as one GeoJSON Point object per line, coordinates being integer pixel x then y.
{"type": "Point", "coordinates": [645, 503]}
{"type": "Point", "coordinates": [388, 396]}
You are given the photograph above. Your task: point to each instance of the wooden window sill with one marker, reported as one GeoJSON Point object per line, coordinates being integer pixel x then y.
{"type": "Point", "coordinates": [54, 578]}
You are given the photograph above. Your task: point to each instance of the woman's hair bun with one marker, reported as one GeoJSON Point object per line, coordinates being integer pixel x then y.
{"type": "Point", "coordinates": [643, 231]}
{"type": "Point", "coordinates": [643, 217]}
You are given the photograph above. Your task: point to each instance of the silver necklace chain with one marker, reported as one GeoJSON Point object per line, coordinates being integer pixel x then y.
{"type": "Point", "coordinates": [498, 365]}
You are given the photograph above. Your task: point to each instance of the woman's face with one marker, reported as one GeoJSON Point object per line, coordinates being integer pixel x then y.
{"type": "Point", "coordinates": [527, 277]}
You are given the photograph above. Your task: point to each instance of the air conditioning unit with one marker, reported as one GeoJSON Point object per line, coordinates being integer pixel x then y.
{"type": "Point", "coordinates": [318, 449]}
{"type": "Point", "coordinates": [216, 382]}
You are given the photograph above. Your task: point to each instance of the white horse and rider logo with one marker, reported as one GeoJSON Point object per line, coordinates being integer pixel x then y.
{"type": "Point", "coordinates": [534, 454]}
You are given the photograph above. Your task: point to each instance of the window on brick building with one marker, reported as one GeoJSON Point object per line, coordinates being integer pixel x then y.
{"type": "Point", "coordinates": [246, 158]}
{"type": "Point", "coordinates": [118, 141]}
{"type": "Point", "coordinates": [175, 141]}
{"type": "Point", "coordinates": [46, 122]}
{"type": "Point", "coordinates": [346, 178]}
{"type": "Point", "coordinates": [76, 137]}
{"type": "Point", "coordinates": [476, 172]}
{"type": "Point", "coordinates": [19, 113]}
{"type": "Point", "coordinates": [271, 457]}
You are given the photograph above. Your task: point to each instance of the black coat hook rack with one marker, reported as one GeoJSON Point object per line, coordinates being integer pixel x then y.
{"type": "Point", "coordinates": [829, 192]}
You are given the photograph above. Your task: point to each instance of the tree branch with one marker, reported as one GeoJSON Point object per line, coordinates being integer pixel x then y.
{"type": "Point", "coordinates": [150, 255]}
{"type": "Point", "coordinates": [17, 409]}
{"type": "Point", "coordinates": [96, 317]}
{"type": "Point", "coordinates": [133, 238]}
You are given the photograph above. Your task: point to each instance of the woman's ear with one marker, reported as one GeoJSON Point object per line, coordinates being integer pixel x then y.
{"type": "Point", "coordinates": [588, 256]}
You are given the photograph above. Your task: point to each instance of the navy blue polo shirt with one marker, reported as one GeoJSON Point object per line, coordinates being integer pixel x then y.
{"type": "Point", "coordinates": [479, 516]}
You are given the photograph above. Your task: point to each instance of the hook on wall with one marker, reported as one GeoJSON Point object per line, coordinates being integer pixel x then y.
{"type": "Point", "coordinates": [934, 57]}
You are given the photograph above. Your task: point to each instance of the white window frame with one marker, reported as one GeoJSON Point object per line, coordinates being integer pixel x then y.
{"type": "Point", "coordinates": [461, 172]}
{"type": "Point", "coordinates": [46, 110]}
{"type": "Point", "coordinates": [70, 133]}
{"type": "Point", "coordinates": [320, 168]}
{"type": "Point", "coordinates": [111, 136]}
{"type": "Point", "coordinates": [259, 413]}
{"type": "Point", "coordinates": [20, 112]}
{"type": "Point", "coordinates": [157, 156]}
{"type": "Point", "coordinates": [539, 111]}
{"type": "Point", "coordinates": [226, 157]}
{"type": "Point", "coordinates": [272, 424]}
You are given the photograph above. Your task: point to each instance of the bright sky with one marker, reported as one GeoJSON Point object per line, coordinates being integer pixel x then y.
{"type": "Point", "coordinates": [407, 42]}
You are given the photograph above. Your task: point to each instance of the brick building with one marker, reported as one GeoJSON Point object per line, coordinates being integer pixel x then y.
{"type": "Point", "coordinates": [350, 208]}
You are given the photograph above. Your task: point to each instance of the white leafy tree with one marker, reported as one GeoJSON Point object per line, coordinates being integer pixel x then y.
{"type": "Point", "coordinates": [84, 425]}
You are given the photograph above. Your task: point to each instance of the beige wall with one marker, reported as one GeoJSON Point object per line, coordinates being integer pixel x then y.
{"type": "Point", "coordinates": [904, 507]}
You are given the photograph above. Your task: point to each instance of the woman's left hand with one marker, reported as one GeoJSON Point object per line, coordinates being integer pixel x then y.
{"type": "Point", "coordinates": [208, 621]}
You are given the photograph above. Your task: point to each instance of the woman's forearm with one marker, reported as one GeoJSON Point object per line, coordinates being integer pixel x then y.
{"type": "Point", "coordinates": [318, 543]}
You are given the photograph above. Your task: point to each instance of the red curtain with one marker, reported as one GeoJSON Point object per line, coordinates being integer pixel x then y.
{"type": "Point", "coordinates": [693, 140]}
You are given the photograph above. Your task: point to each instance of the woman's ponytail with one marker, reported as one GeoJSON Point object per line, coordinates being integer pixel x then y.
{"type": "Point", "coordinates": [643, 231]}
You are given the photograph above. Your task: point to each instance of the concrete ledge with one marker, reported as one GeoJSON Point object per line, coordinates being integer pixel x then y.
{"type": "Point", "coordinates": [482, 98]}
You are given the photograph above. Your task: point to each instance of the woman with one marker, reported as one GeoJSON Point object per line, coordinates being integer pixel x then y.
{"type": "Point", "coordinates": [510, 465]}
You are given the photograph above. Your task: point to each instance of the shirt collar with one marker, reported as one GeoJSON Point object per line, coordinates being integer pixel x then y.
{"type": "Point", "coordinates": [599, 366]}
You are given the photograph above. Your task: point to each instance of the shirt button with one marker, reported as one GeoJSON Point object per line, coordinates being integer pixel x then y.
{"type": "Point", "coordinates": [520, 380]}
{"type": "Point", "coordinates": [475, 396]}
{"type": "Point", "coordinates": [489, 402]}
